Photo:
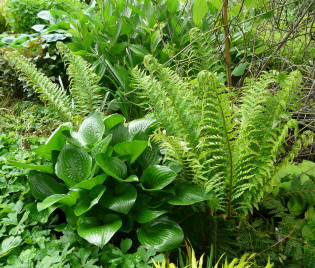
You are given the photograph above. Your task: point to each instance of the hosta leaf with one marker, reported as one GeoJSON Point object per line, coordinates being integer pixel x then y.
{"type": "Point", "coordinates": [131, 148]}
{"type": "Point", "coordinates": [162, 234]}
{"type": "Point", "coordinates": [157, 177]}
{"type": "Point", "coordinates": [112, 166]}
{"type": "Point", "coordinates": [96, 233]}
{"type": "Point", "coordinates": [44, 168]}
{"type": "Point", "coordinates": [120, 134]}
{"type": "Point", "coordinates": [140, 125]}
{"type": "Point", "coordinates": [73, 138]}
{"type": "Point", "coordinates": [101, 147]}
{"type": "Point", "coordinates": [113, 120]}
{"type": "Point", "coordinates": [67, 199]}
{"type": "Point", "coordinates": [90, 183]}
{"type": "Point", "coordinates": [188, 194]}
{"type": "Point", "coordinates": [73, 165]}
{"type": "Point", "coordinates": [42, 185]}
{"type": "Point", "coordinates": [56, 141]}
{"type": "Point", "coordinates": [142, 213]}
{"type": "Point", "coordinates": [92, 129]}
{"type": "Point", "coordinates": [121, 199]}
{"type": "Point", "coordinates": [87, 199]}
{"type": "Point", "coordinates": [150, 156]}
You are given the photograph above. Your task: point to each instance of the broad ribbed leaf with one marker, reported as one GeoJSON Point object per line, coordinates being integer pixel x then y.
{"type": "Point", "coordinates": [67, 199]}
{"type": "Point", "coordinates": [157, 177]}
{"type": "Point", "coordinates": [120, 134]}
{"type": "Point", "coordinates": [142, 213]}
{"type": "Point", "coordinates": [56, 141]}
{"type": "Point", "coordinates": [88, 199]}
{"type": "Point", "coordinates": [113, 120]}
{"type": "Point", "coordinates": [90, 183]}
{"type": "Point", "coordinates": [42, 185]}
{"type": "Point", "coordinates": [101, 147]}
{"type": "Point", "coordinates": [92, 128]}
{"type": "Point", "coordinates": [131, 148]}
{"type": "Point", "coordinates": [112, 166]}
{"type": "Point", "coordinates": [73, 165]}
{"type": "Point", "coordinates": [161, 234]}
{"type": "Point", "coordinates": [96, 233]}
{"type": "Point", "coordinates": [150, 156]}
{"type": "Point", "coordinates": [188, 194]}
{"type": "Point", "coordinates": [44, 168]}
{"type": "Point", "coordinates": [140, 125]}
{"type": "Point", "coordinates": [121, 199]}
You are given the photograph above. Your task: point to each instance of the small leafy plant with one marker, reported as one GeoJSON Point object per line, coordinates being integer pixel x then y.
{"type": "Point", "coordinates": [107, 179]}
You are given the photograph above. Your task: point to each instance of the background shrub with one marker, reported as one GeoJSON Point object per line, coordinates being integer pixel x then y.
{"type": "Point", "coordinates": [21, 15]}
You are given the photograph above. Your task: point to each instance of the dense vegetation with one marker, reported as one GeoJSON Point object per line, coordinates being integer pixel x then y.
{"type": "Point", "coordinates": [147, 133]}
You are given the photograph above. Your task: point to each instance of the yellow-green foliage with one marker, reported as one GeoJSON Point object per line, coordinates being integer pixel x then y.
{"type": "Point", "coordinates": [84, 96]}
{"type": "Point", "coordinates": [228, 147]}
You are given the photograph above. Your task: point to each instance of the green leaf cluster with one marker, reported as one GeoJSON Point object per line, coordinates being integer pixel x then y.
{"type": "Point", "coordinates": [228, 147]}
{"type": "Point", "coordinates": [106, 178]}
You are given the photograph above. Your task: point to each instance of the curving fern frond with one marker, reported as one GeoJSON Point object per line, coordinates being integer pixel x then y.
{"type": "Point", "coordinates": [232, 148]}
{"type": "Point", "coordinates": [84, 87]}
{"type": "Point", "coordinates": [48, 91]}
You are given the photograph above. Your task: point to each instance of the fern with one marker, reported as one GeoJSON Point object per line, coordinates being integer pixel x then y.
{"type": "Point", "coordinates": [229, 148]}
{"type": "Point", "coordinates": [84, 98]}
{"type": "Point", "coordinates": [84, 87]}
{"type": "Point", "coordinates": [47, 90]}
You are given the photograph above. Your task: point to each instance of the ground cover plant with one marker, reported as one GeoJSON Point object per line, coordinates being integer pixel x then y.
{"type": "Point", "coordinates": [157, 134]}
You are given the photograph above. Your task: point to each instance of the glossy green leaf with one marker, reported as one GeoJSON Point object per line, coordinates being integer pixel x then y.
{"type": "Point", "coordinates": [88, 199]}
{"type": "Point", "coordinates": [66, 199]}
{"type": "Point", "coordinates": [188, 194]}
{"type": "Point", "coordinates": [73, 165]}
{"type": "Point", "coordinates": [150, 156]}
{"type": "Point", "coordinates": [92, 129]}
{"type": "Point", "coordinates": [56, 141]}
{"type": "Point", "coordinates": [121, 199]}
{"type": "Point", "coordinates": [161, 234]}
{"type": "Point", "coordinates": [200, 10]}
{"type": "Point", "coordinates": [140, 125]}
{"type": "Point", "coordinates": [97, 233]}
{"type": "Point", "coordinates": [90, 183]}
{"type": "Point", "coordinates": [157, 177]}
{"type": "Point", "coordinates": [101, 147]}
{"type": "Point", "coordinates": [112, 166]}
{"type": "Point", "coordinates": [113, 120]}
{"type": "Point", "coordinates": [43, 168]}
{"type": "Point", "coordinates": [120, 134]}
{"type": "Point", "coordinates": [73, 138]}
{"type": "Point", "coordinates": [133, 149]}
{"type": "Point", "coordinates": [42, 185]}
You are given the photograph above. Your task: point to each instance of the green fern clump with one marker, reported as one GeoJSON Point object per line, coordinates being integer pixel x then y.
{"type": "Point", "coordinates": [48, 91]}
{"type": "Point", "coordinates": [84, 97]}
{"type": "Point", "coordinates": [230, 148]}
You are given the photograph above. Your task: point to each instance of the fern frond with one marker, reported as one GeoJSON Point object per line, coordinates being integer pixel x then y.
{"type": "Point", "coordinates": [84, 86]}
{"type": "Point", "coordinates": [48, 91]}
{"type": "Point", "coordinates": [203, 53]}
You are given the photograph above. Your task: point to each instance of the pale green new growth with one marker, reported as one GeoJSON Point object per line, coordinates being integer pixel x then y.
{"type": "Point", "coordinates": [83, 99]}
{"type": "Point", "coordinates": [229, 148]}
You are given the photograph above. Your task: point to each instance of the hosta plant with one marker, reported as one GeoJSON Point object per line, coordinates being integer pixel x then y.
{"type": "Point", "coordinates": [107, 178]}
